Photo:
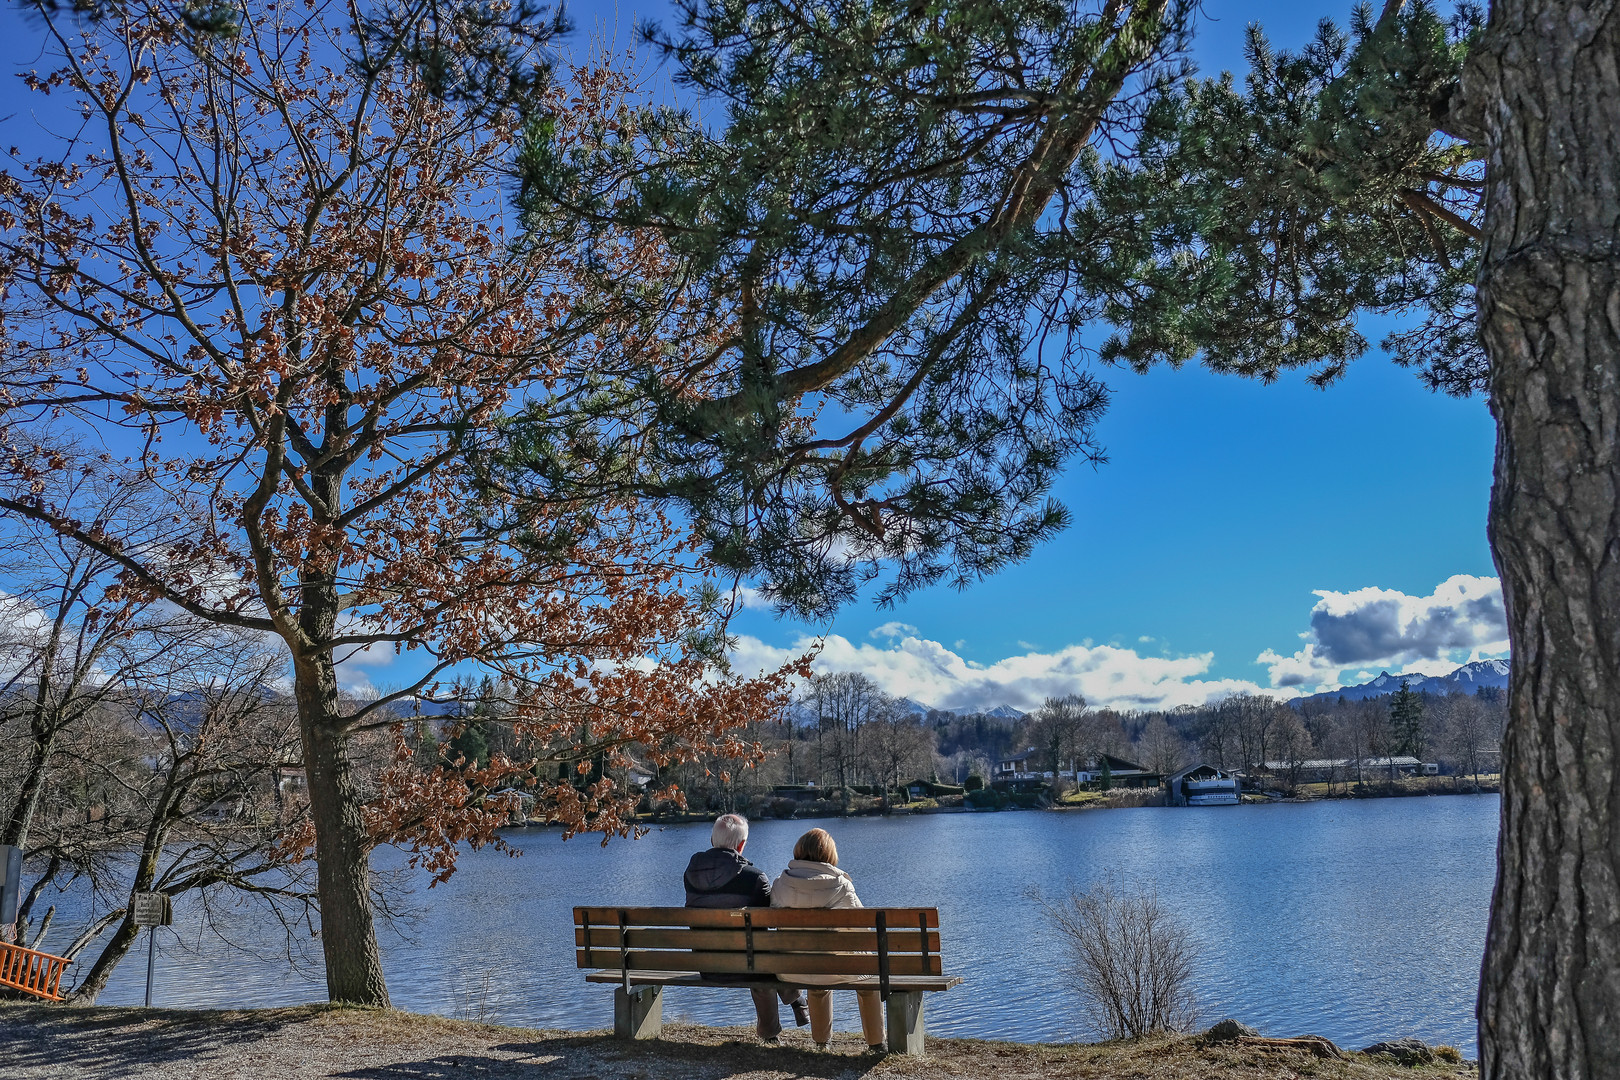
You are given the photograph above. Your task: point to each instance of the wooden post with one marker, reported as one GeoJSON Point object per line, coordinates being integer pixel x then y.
{"type": "Point", "coordinates": [905, 1022]}
{"type": "Point", "coordinates": [638, 1014]}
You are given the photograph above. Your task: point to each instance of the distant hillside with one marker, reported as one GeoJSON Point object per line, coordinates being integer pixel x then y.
{"type": "Point", "coordinates": [804, 715]}
{"type": "Point", "coordinates": [1467, 679]}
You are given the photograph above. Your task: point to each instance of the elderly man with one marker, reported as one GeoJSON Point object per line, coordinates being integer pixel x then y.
{"type": "Point", "coordinates": [722, 878]}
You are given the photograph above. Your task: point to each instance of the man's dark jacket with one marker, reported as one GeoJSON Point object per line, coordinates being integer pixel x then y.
{"type": "Point", "coordinates": [721, 878]}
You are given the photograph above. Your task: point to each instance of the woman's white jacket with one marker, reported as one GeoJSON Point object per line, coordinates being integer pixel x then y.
{"type": "Point", "coordinates": [806, 884]}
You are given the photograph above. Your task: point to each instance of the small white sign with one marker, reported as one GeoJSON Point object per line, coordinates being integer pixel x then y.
{"type": "Point", "coordinates": [152, 909]}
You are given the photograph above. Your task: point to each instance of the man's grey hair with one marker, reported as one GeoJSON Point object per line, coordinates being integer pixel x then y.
{"type": "Point", "coordinates": [730, 830]}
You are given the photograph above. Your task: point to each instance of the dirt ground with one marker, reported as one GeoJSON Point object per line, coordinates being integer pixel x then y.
{"type": "Point", "coordinates": [39, 1041]}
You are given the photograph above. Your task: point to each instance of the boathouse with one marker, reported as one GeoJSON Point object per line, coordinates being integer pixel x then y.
{"type": "Point", "coordinates": [1202, 785]}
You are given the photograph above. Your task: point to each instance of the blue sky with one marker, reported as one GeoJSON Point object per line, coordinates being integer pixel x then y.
{"type": "Point", "coordinates": [1336, 532]}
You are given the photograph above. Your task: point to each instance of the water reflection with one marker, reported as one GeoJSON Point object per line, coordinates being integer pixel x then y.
{"type": "Point", "coordinates": [1353, 920]}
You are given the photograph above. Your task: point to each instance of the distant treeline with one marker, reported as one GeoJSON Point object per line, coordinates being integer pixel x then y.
{"type": "Point", "coordinates": [844, 732]}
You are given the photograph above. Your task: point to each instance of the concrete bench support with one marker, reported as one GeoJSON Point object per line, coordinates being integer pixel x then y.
{"type": "Point", "coordinates": [906, 1023]}
{"type": "Point", "coordinates": [638, 1014]}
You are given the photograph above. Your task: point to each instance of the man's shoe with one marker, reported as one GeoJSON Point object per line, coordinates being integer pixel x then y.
{"type": "Point", "coordinates": [823, 1046]}
{"type": "Point", "coordinates": [771, 1040]}
{"type": "Point", "coordinates": [801, 1014]}
{"type": "Point", "coordinates": [876, 1048]}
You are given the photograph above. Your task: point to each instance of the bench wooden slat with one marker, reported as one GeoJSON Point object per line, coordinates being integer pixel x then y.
{"type": "Point", "coordinates": [900, 984]}
{"type": "Point", "coordinates": [732, 918]}
{"type": "Point", "coordinates": [766, 939]}
{"type": "Point", "coordinates": [607, 956]}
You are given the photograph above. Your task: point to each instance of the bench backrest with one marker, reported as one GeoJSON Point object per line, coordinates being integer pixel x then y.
{"type": "Point", "coordinates": [760, 941]}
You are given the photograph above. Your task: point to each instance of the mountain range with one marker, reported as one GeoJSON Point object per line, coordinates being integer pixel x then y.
{"type": "Point", "coordinates": [805, 714]}
{"type": "Point", "coordinates": [1466, 679]}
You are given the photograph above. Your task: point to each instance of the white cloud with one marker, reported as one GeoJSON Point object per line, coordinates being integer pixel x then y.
{"type": "Point", "coordinates": [356, 665]}
{"type": "Point", "coordinates": [928, 672]}
{"type": "Point", "coordinates": [749, 598]}
{"type": "Point", "coordinates": [1381, 628]}
{"type": "Point", "coordinates": [892, 630]}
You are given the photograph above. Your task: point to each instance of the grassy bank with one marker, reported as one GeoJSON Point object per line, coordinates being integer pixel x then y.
{"type": "Point", "coordinates": [319, 1041]}
{"type": "Point", "coordinates": [1375, 787]}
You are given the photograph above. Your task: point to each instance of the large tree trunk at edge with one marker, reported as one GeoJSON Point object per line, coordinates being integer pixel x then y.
{"type": "Point", "coordinates": [348, 935]}
{"type": "Point", "coordinates": [1545, 82]}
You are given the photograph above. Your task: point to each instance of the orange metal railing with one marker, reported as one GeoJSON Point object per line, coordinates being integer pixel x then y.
{"type": "Point", "coordinates": [31, 972]}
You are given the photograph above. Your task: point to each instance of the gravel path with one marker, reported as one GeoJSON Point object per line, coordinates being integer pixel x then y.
{"type": "Point", "coordinates": [43, 1041]}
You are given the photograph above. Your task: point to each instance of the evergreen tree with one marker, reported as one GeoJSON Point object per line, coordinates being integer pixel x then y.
{"type": "Point", "coordinates": [1271, 216]}
{"type": "Point", "coordinates": [879, 295]}
{"type": "Point", "coordinates": [1406, 721]}
{"type": "Point", "coordinates": [470, 744]}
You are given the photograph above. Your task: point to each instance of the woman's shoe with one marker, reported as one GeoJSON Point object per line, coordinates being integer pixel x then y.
{"type": "Point", "coordinates": [876, 1048]}
{"type": "Point", "coordinates": [801, 1014]}
{"type": "Point", "coordinates": [823, 1046]}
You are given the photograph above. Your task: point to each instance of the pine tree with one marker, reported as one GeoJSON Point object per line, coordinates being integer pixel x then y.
{"type": "Point", "coordinates": [880, 296]}
{"type": "Point", "coordinates": [1406, 721]}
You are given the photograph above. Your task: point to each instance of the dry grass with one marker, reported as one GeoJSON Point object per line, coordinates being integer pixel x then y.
{"type": "Point", "coordinates": [1380, 786]}
{"type": "Point", "coordinates": [318, 1041]}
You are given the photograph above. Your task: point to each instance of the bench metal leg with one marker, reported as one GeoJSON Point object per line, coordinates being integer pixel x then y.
{"type": "Point", "coordinates": [638, 1014]}
{"type": "Point", "coordinates": [906, 1023]}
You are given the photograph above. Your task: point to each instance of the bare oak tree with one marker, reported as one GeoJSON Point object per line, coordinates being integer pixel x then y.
{"type": "Point", "coordinates": [268, 269]}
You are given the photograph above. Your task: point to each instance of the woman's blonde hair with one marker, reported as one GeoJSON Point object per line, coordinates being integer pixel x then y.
{"type": "Point", "coordinates": [817, 846]}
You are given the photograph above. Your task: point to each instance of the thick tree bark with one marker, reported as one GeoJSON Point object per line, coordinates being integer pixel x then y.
{"type": "Point", "coordinates": [1546, 80]}
{"type": "Point", "coordinates": [348, 933]}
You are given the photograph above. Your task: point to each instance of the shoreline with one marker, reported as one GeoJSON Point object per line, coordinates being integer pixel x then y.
{"type": "Point", "coordinates": [1119, 799]}
{"type": "Point", "coordinates": [314, 1042]}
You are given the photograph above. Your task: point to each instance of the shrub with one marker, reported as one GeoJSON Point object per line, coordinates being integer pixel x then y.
{"type": "Point", "coordinates": [1131, 963]}
{"type": "Point", "coordinates": [974, 783]}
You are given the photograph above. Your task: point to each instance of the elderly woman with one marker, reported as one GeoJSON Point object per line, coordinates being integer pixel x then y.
{"type": "Point", "coordinates": [813, 880]}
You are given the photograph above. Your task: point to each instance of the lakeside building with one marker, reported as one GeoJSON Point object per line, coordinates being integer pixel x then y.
{"type": "Point", "coordinates": [805, 792]}
{"type": "Point", "coordinates": [1203, 785]}
{"type": "Point", "coordinates": [1018, 767]}
{"type": "Point", "coordinates": [1023, 770]}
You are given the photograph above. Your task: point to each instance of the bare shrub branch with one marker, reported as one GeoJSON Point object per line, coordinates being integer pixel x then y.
{"type": "Point", "coordinates": [1130, 962]}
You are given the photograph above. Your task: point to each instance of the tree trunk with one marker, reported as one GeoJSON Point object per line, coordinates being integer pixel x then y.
{"type": "Point", "coordinates": [33, 783]}
{"type": "Point", "coordinates": [117, 947]}
{"type": "Point", "coordinates": [1546, 81]}
{"type": "Point", "coordinates": [348, 935]}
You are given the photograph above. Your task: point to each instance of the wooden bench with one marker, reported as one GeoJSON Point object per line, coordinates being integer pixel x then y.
{"type": "Point", "coordinates": [644, 950]}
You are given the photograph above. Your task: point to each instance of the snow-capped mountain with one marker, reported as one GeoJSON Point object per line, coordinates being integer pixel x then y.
{"type": "Point", "coordinates": [1467, 678]}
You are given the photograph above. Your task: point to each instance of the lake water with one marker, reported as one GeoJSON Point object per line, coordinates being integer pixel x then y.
{"type": "Point", "coordinates": [1354, 920]}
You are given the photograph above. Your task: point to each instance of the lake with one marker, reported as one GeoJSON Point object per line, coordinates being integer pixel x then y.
{"type": "Point", "coordinates": [1357, 920]}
